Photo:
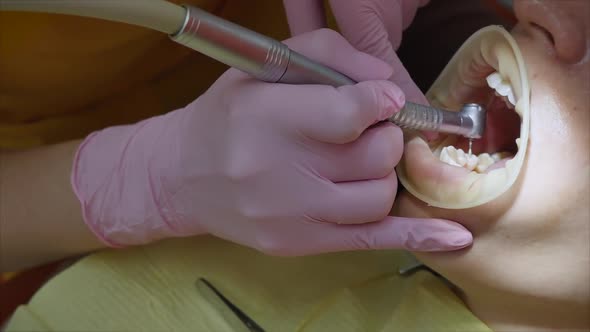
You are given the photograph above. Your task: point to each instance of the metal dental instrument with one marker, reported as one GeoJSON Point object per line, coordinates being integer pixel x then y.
{"type": "Point", "coordinates": [263, 57]}
{"type": "Point", "coordinates": [272, 61]}
{"type": "Point", "coordinates": [214, 295]}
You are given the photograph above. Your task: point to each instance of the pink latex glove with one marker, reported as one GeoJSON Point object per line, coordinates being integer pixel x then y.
{"type": "Point", "coordinates": [372, 26]}
{"type": "Point", "coordinates": [285, 169]}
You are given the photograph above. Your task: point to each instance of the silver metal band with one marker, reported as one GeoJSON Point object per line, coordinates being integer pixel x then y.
{"type": "Point", "coordinates": [233, 45]}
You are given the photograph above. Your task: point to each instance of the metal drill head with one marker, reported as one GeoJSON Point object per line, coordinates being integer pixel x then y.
{"type": "Point", "coordinates": [477, 114]}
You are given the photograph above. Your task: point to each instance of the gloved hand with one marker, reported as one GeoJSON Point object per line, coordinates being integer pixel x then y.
{"type": "Point", "coordinates": [286, 169]}
{"type": "Point", "coordinates": [372, 26]}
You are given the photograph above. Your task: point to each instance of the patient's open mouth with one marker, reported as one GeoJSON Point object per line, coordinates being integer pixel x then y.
{"type": "Point", "coordinates": [499, 141]}
{"type": "Point", "coordinates": [488, 70]}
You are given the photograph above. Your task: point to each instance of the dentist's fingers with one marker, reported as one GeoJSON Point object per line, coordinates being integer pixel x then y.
{"type": "Point", "coordinates": [373, 156]}
{"type": "Point", "coordinates": [356, 202]}
{"type": "Point", "coordinates": [391, 233]}
{"type": "Point", "coordinates": [331, 49]}
{"type": "Point", "coordinates": [330, 115]}
{"type": "Point", "coordinates": [402, 78]}
{"type": "Point", "coordinates": [375, 26]}
{"type": "Point", "coordinates": [305, 15]}
{"type": "Point", "coordinates": [372, 27]}
{"type": "Point", "coordinates": [420, 235]}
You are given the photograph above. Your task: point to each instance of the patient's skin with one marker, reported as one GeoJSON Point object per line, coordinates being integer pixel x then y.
{"type": "Point", "coordinates": [529, 266]}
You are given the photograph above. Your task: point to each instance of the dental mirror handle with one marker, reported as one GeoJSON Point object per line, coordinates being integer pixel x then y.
{"type": "Point", "coordinates": [272, 61]}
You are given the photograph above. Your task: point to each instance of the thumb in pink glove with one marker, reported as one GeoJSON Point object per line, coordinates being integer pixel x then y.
{"type": "Point", "coordinates": [285, 169]}
{"type": "Point", "coordinates": [372, 26]}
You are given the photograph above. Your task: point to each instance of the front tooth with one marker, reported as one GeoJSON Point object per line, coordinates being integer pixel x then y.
{"type": "Point", "coordinates": [503, 89]}
{"type": "Point", "coordinates": [494, 80]}
{"type": "Point", "coordinates": [508, 104]}
{"type": "Point", "coordinates": [511, 98]}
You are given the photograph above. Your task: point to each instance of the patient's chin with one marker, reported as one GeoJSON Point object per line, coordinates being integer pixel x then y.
{"type": "Point", "coordinates": [406, 205]}
{"type": "Point", "coordinates": [478, 220]}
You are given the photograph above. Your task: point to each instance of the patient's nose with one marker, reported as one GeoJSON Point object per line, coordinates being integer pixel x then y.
{"type": "Point", "coordinates": [566, 22]}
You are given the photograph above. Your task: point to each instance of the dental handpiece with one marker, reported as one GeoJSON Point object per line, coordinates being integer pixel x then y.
{"type": "Point", "coordinates": [272, 61]}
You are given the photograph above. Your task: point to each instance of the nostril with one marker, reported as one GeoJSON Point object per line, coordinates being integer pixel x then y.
{"type": "Point", "coordinates": [545, 32]}
{"type": "Point", "coordinates": [562, 22]}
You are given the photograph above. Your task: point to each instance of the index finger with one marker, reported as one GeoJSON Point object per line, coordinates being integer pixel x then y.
{"type": "Point", "coordinates": [305, 15]}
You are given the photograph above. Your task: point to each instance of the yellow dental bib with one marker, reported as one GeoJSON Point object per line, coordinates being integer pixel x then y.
{"type": "Point", "coordinates": [153, 288]}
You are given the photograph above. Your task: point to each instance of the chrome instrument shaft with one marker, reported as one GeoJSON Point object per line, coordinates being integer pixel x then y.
{"type": "Point", "coordinates": [272, 61]}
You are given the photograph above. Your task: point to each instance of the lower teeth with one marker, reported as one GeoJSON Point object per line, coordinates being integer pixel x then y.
{"type": "Point", "coordinates": [478, 163]}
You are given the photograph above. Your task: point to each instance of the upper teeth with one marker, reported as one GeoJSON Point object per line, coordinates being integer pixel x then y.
{"type": "Point", "coordinates": [503, 88]}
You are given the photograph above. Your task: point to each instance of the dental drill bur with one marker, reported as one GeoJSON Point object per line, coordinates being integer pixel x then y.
{"type": "Point", "coordinates": [272, 61]}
